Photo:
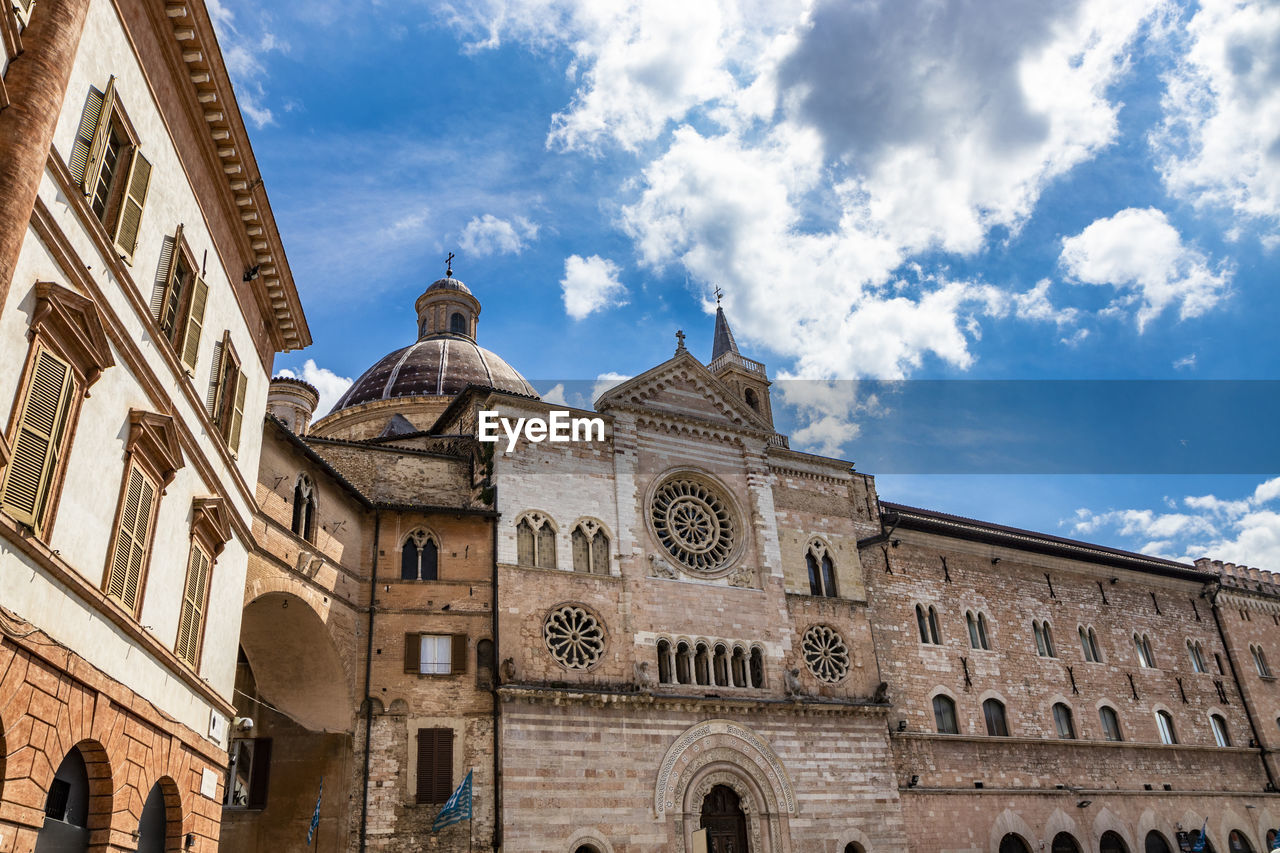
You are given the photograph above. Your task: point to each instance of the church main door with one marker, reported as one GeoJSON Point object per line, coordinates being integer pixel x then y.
{"type": "Point", "coordinates": [724, 821]}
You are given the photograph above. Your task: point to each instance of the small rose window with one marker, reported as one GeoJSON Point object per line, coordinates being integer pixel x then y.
{"type": "Point", "coordinates": [825, 654]}
{"type": "Point", "coordinates": [574, 637]}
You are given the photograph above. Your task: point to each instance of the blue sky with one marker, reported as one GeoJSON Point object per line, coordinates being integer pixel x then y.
{"type": "Point", "coordinates": [993, 190]}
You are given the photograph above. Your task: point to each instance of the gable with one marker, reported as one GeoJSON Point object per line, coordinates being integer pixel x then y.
{"type": "Point", "coordinates": [683, 387]}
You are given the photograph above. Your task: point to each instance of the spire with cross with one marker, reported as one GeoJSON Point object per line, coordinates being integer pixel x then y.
{"type": "Point", "coordinates": [448, 266]}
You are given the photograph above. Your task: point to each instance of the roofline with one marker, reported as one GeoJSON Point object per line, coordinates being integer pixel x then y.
{"type": "Point", "coordinates": [901, 516]}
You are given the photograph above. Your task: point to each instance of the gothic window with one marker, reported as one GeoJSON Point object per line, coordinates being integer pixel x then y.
{"type": "Point", "coordinates": [822, 572]}
{"type": "Point", "coordinates": [1164, 722]}
{"type": "Point", "coordinates": [1110, 723]}
{"type": "Point", "coordinates": [684, 663]}
{"type": "Point", "coordinates": [753, 399]}
{"type": "Point", "coordinates": [757, 667]}
{"type": "Point", "coordinates": [702, 664]}
{"type": "Point", "coordinates": [1064, 842]}
{"type": "Point", "coordinates": [721, 666]}
{"type": "Point", "coordinates": [590, 548]}
{"type": "Point", "coordinates": [1044, 638]}
{"type": "Point", "coordinates": [1111, 842]}
{"type": "Point", "coordinates": [1238, 843]}
{"type": "Point", "coordinates": [458, 323]}
{"type": "Point", "coordinates": [419, 557]}
{"type": "Point", "coordinates": [574, 637]}
{"type": "Point", "coordinates": [944, 715]}
{"type": "Point", "coordinates": [1219, 725]}
{"type": "Point", "coordinates": [927, 622]}
{"type": "Point", "coordinates": [694, 524]}
{"type": "Point", "coordinates": [825, 654]}
{"type": "Point", "coordinates": [1142, 645]}
{"type": "Point", "coordinates": [993, 712]}
{"type": "Point", "coordinates": [536, 541]}
{"type": "Point", "coordinates": [1260, 661]}
{"type": "Point", "coordinates": [304, 509]}
{"type": "Point", "coordinates": [1089, 645]}
{"type": "Point", "coordinates": [1195, 651]}
{"type": "Point", "coordinates": [977, 630]}
{"type": "Point", "coordinates": [1012, 843]}
{"type": "Point", "coordinates": [664, 662]}
{"type": "Point", "coordinates": [739, 667]}
{"type": "Point", "coordinates": [1063, 722]}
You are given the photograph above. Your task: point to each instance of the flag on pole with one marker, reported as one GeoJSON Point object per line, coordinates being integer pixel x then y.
{"type": "Point", "coordinates": [457, 808]}
{"type": "Point", "coordinates": [1198, 847]}
{"type": "Point", "coordinates": [315, 816]}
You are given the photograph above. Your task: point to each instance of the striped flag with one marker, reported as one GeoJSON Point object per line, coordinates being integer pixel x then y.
{"type": "Point", "coordinates": [458, 807]}
{"type": "Point", "coordinates": [1198, 846]}
{"type": "Point", "coordinates": [315, 816]}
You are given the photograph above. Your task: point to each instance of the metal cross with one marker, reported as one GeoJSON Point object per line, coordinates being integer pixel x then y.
{"type": "Point", "coordinates": [448, 265]}
{"type": "Point", "coordinates": [718, 293]}
{"type": "Point", "coordinates": [680, 339]}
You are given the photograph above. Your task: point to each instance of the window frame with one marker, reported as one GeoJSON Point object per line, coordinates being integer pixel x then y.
{"type": "Point", "coordinates": [1142, 646]}
{"type": "Point", "coordinates": [991, 707]}
{"type": "Point", "coordinates": [1103, 710]}
{"type": "Point", "coordinates": [131, 176]}
{"type": "Point", "coordinates": [259, 774]}
{"type": "Point", "coordinates": [539, 524]}
{"type": "Point", "coordinates": [419, 538]}
{"type": "Point", "coordinates": [415, 643]}
{"type": "Point", "coordinates": [1165, 728]}
{"type": "Point", "coordinates": [821, 569]}
{"type": "Point", "coordinates": [210, 531]}
{"type": "Point", "coordinates": [1064, 721]}
{"type": "Point", "coordinates": [48, 485]}
{"type": "Point", "coordinates": [590, 530]}
{"type": "Point", "coordinates": [1196, 653]}
{"type": "Point", "coordinates": [944, 704]}
{"type": "Point", "coordinates": [1043, 634]}
{"type": "Point", "coordinates": [229, 384]}
{"type": "Point", "coordinates": [304, 508]}
{"type": "Point", "coordinates": [434, 785]}
{"type": "Point", "coordinates": [1221, 735]}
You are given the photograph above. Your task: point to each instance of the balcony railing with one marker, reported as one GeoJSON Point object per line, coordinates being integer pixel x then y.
{"type": "Point", "coordinates": [734, 358]}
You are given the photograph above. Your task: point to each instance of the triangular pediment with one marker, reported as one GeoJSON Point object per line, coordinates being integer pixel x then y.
{"type": "Point", "coordinates": [683, 387]}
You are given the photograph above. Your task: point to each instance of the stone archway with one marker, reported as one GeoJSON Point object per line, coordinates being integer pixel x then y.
{"type": "Point", "coordinates": [160, 825]}
{"type": "Point", "coordinates": [724, 821]}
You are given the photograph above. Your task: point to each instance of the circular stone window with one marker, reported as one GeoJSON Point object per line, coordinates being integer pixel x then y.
{"type": "Point", "coordinates": [574, 637]}
{"type": "Point", "coordinates": [825, 654]}
{"type": "Point", "coordinates": [694, 524]}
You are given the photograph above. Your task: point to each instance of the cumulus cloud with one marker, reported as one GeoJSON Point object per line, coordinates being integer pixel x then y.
{"type": "Point", "coordinates": [488, 235]}
{"type": "Point", "coordinates": [590, 285]}
{"type": "Point", "coordinates": [1140, 254]}
{"type": "Point", "coordinates": [605, 381]}
{"type": "Point", "coordinates": [244, 54]}
{"type": "Point", "coordinates": [1244, 530]}
{"type": "Point", "coordinates": [330, 385]}
{"type": "Point", "coordinates": [1219, 144]}
{"type": "Point", "coordinates": [1035, 305]}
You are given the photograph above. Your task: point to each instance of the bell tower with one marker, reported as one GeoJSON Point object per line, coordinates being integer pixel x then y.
{"type": "Point", "coordinates": [447, 308]}
{"type": "Point", "coordinates": [745, 376]}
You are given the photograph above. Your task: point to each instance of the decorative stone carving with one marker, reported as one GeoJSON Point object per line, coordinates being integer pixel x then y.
{"type": "Point", "coordinates": [694, 524]}
{"type": "Point", "coordinates": [825, 654]}
{"type": "Point", "coordinates": [791, 682]}
{"type": "Point", "coordinates": [660, 568]}
{"type": "Point", "coordinates": [507, 670]}
{"type": "Point", "coordinates": [644, 678]}
{"type": "Point", "coordinates": [574, 637]}
{"type": "Point", "coordinates": [743, 576]}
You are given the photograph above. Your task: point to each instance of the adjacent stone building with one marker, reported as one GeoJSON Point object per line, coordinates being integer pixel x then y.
{"type": "Point", "coordinates": [143, 295]}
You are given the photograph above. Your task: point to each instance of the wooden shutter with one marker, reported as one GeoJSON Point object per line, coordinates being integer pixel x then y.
{"type": "Point", "coordinates": [98, 141]}
{"type": "Point", "coordinates": [412, 652]}
{"type": "Point", "coordinates": [135, 198]}
{"type": "Point", "coordinates": [215, 379]}
{"type": "Point", "coordinates": [191, 619]}
{"type": "Point", "coordinates": [164, 275]}
{"type": "Point", "coordinates": [195, 324]}
{"type": "Point", "coordinates": [435, 765]}
{"type": "Point", "coordinates": [458, 654]}
{"type": "Point", "coordinates": [132, 539]}
{"type": "Point", "coordinates": [261, 773]}
{"type": "Point", "coordinates": [237, 413]}
{"type": "Point", "coordinates": [38, 443]}
{"type": "Point", "coordinates": [85, 133]}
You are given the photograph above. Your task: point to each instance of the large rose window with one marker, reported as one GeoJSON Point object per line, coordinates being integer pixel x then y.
{"type": "Point", "coordinates": [694, 524]}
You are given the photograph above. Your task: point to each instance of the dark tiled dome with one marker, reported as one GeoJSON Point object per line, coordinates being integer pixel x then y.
{"type": "Point", "coordinates": [438, 365]}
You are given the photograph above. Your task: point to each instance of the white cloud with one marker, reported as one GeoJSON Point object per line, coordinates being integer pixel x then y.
{"type": "Point", "coordinates": [488, 235]}
{"type": "Point", "coordinates": [605, 381]}
{"type": "Point", "coordinates": [244, 57]}
{"type": "Point", "coordinates": [554, 394]}
{"type": "Point", "coordinates": [590, 285]}
{"type": "Point", "coordinates": [330, 385]}
{"type": "Point", "coordinates": [1244, 531]}
{"type": "Point", "coordinates": [1139, 253]}
{"type": "Point", "coordinates": [1185, 363]}
{"type": "Point", "coordinates": [1035, 305]}
{"type": "Point", "coordinates": [1219, 144]}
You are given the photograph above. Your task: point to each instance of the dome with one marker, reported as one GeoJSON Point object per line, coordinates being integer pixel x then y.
{"type": "Point", "coordinates": [449, 283]}
{"type": "Point", "coordinates": [437, 365]}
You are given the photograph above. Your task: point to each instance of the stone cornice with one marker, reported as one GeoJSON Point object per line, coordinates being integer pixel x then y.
{"type": "Point", "coordinates": [672, 422]}
{"type": "Point", "coordinates": [600, 697]}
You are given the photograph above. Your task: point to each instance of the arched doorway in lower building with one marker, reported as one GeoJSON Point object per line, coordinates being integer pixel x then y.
{"type": "Point", "coordinates": [1156, 843]}
{"type": "Point", "coordinates": [66, 807]}
{"type": "Point", "coordinates": [853, 847]}
{"type": "Point", "coordinates": [1112, 843]}
{"type": "Point", "coordinates": [1238, 843]}
{"type": "Point", "coordinates": [724, 821]}
{"type": "Point", "coordinates": [586, 848]}
{"type": "Point", "coordinates": [160, 826]}
{"type": "Point", "coordinates": [1065, 842]}
{"type": "Point", "coordinates": [1014, 843]}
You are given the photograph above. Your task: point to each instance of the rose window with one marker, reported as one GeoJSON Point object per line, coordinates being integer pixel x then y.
{"type": "Point", "coordinates": [574, 637]}
{"type": "Point", "coordinates": [825, 654]}
{"type": "Point", "coordinates": [694, 524]}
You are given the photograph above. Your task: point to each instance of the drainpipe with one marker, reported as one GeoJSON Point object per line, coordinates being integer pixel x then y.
{"type": "Point", "coordinates": [497, 702]}
{"type": "Point", "coordinates": [1213, 591]}
{"type": "Point", "coordinates": [368, 690]}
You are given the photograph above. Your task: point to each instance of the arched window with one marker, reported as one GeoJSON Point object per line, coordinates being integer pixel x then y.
{"type": "Point", "coordinates": [977, 630]}
{"type": "Point", "coordinates": [1065, 842]}
{"type": "Point", "coordinates": [757, 667]}
{"type": "Point", "coordinates": [664, 662]}
{"type": "Point", "coordinates": [993, 711]}
{"type": "Point", "coordinates": [1044, 638]}
{"type": "Point", "coordinates": [1164, 722]}
{"type": "Point", "coordinates": [536, 541]}
{"type": "Point", "coordinates": [927, 621]}
{"type": "Point", "coordinates": [1219, 725]}
{"type": "Point", "coordinates": [1142, 644]}
{"type": "Point", "coordinates": [822, 572]}
{"type": "Point", "coordinates": [1260, 661]}
{"type": "Point", "coordinates": [1089, 645]}
{"type": "Point", "coordinates": [304, 509]}
{"type": "Point", "coordinates": [922, 622]}
{"type": "Point", "coordinates": [68, 801]}
{"type": "Point", "coordinates": [753, 399]}
{"type": "Point", "coordinates": [419, 557]}
{"type": "Point", "coordinates": [1062, 721]}
{"type": "Point", "coordinates": [1196, 652]}
{"type": "Point", "coordinates": [1012, 843]}
{"type": "Point", "coordinates": [582, 848]}
{"type": "Point", "coordinates": [1238, 842]}
{"type": "Point", "coordinates": [684, 663]}
{"type": "Point", "coordinates": [1110, 723]}
{"type": "Point", "coordinates": [1156, 843]}
{"type": "Point", "coordinates": [721, 665]}
{"type": "Point", "coordinates": [944, 715]}
{"type": "Point", "coordinates": [854, 847]}
{"type": "Point", "coordinates": [739, 667]}
{"type": "Point", "coordinates": [458, 323]}
{"type": "Point", "coordinates": [590, 548]}
{"type": "Point", "coordinates": [1194, 837]}
{"type": "Point", "coordinates": [1111, 842]}
{"type": "Point", "coordinates": [702, 664]}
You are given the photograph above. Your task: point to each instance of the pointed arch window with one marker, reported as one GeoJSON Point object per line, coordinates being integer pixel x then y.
{"type": "Point", "coordinates": [1260, 661]}
{"type": "Point", "coordinates": [822, 572]}
{"type": "Point", "coordinates": [1044, 638]}
{"type": "Point", "coordinates": [977, 625]}
{"type": "Point", "coordinates": [1164, 723]}
{"type": "Point", "coordinates": [1110, 723]}
{"type": "Point", "coordinates": [944, 715]}
{"type": "Point", "coordinates": [1063, 721]}
{"type": "Point", "coordinates": [1196, 652]}
{"type": "Point", "coordinates": [304, 508]}
{"type": "Point", "coordinates": [419, 557]}
{"type": "Point", "coordinates": [1142, 645]}
{"type": "Point", "coordinates": [993, 712]}
{"type": "Point", "coordinates": [1089, 645]}
{"type": "Point", "coordinates": [927, 622]}
{"type": "Point", "coordinates": [536, 541]}
{"type": "Point", "coordinates": [590, 548]}
{"type": "Point", "coordinates": [1220, 735]}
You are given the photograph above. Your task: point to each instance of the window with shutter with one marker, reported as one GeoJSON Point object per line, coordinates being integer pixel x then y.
{"type": "Point", "coordinates": [38, 443]}
{"type": "Point", "coordinates": [135, 197]}
{"type": "Point", "coordinates": [191, 618]}
{"type": "Point", "coordinates": [107, 162]}
{"type": "Point", "coordinates": [435, 765]}
{"type": "Point", "coordinates": [228, 393]}
{"type": "Point", "coordinates": [132, 538]}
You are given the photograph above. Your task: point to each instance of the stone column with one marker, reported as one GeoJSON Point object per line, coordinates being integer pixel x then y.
{"type": "Point", "coordinates": [37, 82]}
